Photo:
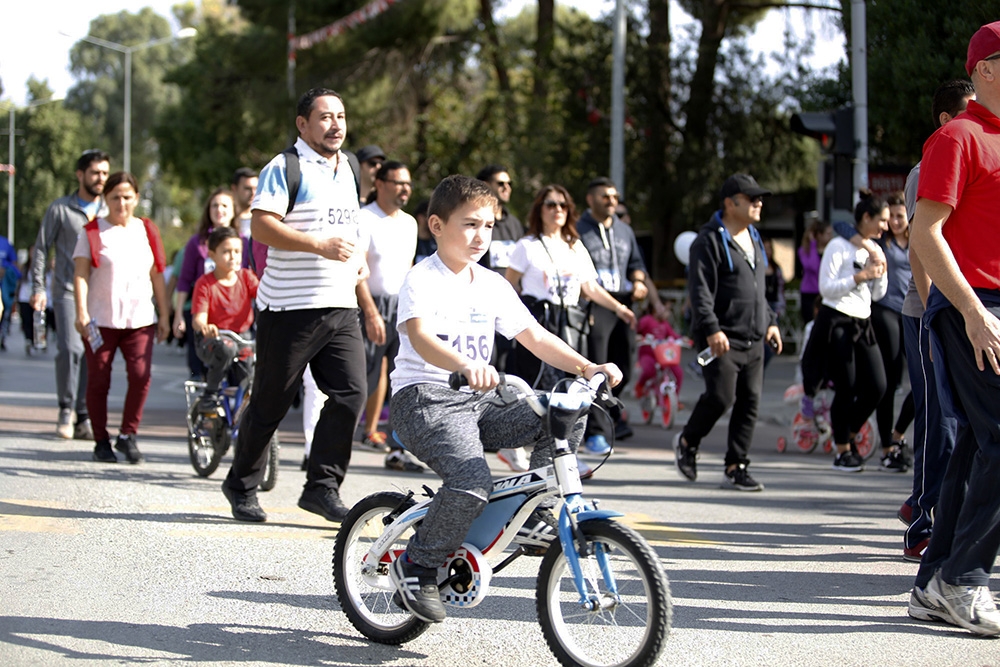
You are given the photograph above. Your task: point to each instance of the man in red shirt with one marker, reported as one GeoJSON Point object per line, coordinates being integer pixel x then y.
{"type": "Point", "coordinates": [222, 300]}
{"type": "Point", "coordinates": [954, 234]}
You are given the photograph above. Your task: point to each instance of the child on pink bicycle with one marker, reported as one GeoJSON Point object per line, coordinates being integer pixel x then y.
{"type": "Point", "coordinates": [658, 349]}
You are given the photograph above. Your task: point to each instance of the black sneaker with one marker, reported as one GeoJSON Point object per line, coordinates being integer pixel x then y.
{"type": "Point", "coordinates": [739, 479]}
{"type": "Point", "coordinates": [83, 430]}
{"type": "Point", "coordinates": [126, 445]}
{"type": "Point", "coordinates": [325, 502]}
{"type": "Point", "coordinates": [848, 462]}
{"type": "Point", "coordinates": [209, 404]}
{"type": "Point", "coordinates": [244, 505]}
{"type": "Point", "coordinates": [400, 460]}
{"type": "Point", "coordinates": [103, 453]}
{"type": "Point", "coordinates": [894, 461]}
{"type": "Point", "coordinates": [418, 591]}
{"type": "Point", "coordinates": [686, 459]}
{"type": "Point", "coordinates": [538, 532]}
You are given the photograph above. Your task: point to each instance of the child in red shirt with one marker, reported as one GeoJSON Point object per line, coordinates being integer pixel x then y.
{"type": "Point", "coordinates": [222, 300]}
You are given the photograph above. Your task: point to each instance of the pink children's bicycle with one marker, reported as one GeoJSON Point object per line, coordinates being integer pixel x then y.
{"type": "Point", "coordinates": [660, 390]}
{"type": "Point", "coordinates": [807, 433]}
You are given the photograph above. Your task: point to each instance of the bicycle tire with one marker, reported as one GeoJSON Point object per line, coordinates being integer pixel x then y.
{"type": "Point", "coordinates": [631, 634]}
{"type": "Point", "coordinates": [367, 600]}
{"type": "Point", "coordinates": [870, 441]}
{"type": "Point", "coordinates": [271, 469]}
{"type": "Point", "coordinates": [206, 451]}
{"type": "Point", "coordinates": [669, 408]}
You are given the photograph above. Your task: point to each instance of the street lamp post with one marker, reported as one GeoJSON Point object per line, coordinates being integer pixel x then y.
{"type": "Point", "coordinates": [10, 170]}
{"type": "Point", "coordinates": [184, 33]}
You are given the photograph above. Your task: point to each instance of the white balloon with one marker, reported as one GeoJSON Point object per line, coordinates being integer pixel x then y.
{"type": "Point", "coordinates": [682, 246]}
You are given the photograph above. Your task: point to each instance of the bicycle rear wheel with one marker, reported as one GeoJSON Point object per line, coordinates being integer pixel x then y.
{"type": "Point", "coordinates": [630, 628]}
{"type": "Point", "coordinates": [365, 590]}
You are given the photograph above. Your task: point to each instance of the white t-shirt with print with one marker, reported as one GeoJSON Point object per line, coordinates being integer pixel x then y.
{"type": "Point", "coordinates": [543, 277]}
{"type": "Point", "coordinates": [393, 242]}
{"type": "Point", "coordinates": [326, 206]}
{"type": "Point", "coordinates": [119, 290]}
{"type": "Point", "coordinates": [462, 313]}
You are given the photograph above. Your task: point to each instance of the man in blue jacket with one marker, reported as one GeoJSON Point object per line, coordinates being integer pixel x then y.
{"type": "Point", "coordinates": [731, 316]}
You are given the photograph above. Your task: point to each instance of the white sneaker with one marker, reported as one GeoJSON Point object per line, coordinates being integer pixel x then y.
{"type": "Point", "coordinates": [516, 459]}
{"type": "Point", "coordinates": [64, 427]}
{"type": "Point", "coordinates": [971, 607]}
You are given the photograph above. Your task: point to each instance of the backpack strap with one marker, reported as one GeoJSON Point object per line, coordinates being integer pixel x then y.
{"type": "Point", "coordinates": [352, 160]}
{"type": "Point", "coordinates": [293, 175]}
{"type": "Point", "coordinates": [94, 241]}
{"type": "Point", "coordinates": [152, 235]}
{"type": "Point", "coordinates": [155, 244]}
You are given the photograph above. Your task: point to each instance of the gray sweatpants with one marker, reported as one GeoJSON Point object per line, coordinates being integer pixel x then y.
{"type": "Point", "coordinates": [71, 365]}
{"type": "Point", "coordinates": [450, 431]}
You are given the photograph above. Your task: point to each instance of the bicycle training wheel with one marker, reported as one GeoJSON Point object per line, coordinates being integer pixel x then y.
{"type": "Point", "coordinates": [271, 469]}
{"type": "Point", "coordinates": [630, 628]}
{"type": "Point", "coordinates": [365, 590]}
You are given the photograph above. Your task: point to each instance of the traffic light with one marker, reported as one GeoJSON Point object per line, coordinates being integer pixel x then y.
{"type": "Point", "coordinates": [833, 129]}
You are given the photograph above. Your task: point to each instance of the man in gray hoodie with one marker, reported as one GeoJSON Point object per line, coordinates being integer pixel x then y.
{"type": "Point", "coordinates": [61, 225]}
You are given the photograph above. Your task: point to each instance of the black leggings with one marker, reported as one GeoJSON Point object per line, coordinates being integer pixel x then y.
{"type": "Point", "coordinates": [888, 326]}
{"type": "Point", "coordinates": [855, 366]}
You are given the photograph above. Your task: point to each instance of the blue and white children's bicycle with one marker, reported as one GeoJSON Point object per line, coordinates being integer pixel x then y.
{"type": "Point", "coordinates": [209, 436]}
{"type": "Point", "coordinates": [602, 596]}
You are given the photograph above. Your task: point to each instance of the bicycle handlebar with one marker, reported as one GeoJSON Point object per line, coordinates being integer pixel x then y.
{"type": "Point", "coordinates": [456, 381]}
{"type": "Point", "coordinates": [235, 337]}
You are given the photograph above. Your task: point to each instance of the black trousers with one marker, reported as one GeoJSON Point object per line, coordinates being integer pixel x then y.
{"type": "Point", "coordinates": [329, 341]}
{"type": "Point", "coordinates": [888, 326]}
{"type": "Point", "coordinates": [733, 380]}
{"type": "Point", "coordinates": [966, 534]}
{"type": "Point", "coordinates": [610, 341]}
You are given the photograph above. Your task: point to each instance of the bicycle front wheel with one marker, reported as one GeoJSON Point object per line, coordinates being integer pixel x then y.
{"type": "Point", "coordinates": [630, 627]}
{"type": "Point", "coordinates": [206, 449]}
{"type": "Point", "coordinates": [364, 589]}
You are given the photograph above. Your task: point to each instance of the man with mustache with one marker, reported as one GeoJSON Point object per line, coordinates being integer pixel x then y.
{"type": "Point", "coordinates": [63, 222]}
{"type": "Point", "coordinates": [308, 310]}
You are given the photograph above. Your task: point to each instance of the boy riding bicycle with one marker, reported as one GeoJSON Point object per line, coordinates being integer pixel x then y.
{"type": "Point", "coordinates": [222, 300]}
{"type": "Point", "coordinates": [449, 308]}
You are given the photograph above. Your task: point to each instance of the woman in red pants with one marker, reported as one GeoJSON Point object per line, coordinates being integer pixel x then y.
{"type": "Point", "coordinates": [119, 262]}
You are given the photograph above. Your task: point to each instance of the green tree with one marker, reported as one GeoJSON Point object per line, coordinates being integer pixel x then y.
{"type": "Point", "coordinates": [99, 94]}
{"type": "Point", "coordinates": [913, 47]}
{"type": "Point", "coordinates": [48, 140]}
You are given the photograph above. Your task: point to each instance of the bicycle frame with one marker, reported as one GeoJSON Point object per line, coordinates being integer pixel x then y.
{"type": "Point", "coordinates": [514, 498]}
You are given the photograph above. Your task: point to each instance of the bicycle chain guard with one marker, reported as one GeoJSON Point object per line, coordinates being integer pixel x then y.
{"type": "Point", "coordinates": [467, 574]}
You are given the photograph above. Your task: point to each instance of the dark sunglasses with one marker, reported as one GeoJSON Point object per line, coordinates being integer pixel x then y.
{"type": "Point", "coordinates": [556, 204]}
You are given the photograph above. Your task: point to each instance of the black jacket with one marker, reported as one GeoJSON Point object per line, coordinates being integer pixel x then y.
{"type": "Point", "coordinates": [726, 293]}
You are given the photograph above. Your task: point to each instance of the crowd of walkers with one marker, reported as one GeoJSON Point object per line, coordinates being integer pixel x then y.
{"type": "Point", "coordinates": [314, 257]}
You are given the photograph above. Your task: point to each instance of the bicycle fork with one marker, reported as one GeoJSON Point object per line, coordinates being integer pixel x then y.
{"type": "Point", "coordinates": [574, 512]}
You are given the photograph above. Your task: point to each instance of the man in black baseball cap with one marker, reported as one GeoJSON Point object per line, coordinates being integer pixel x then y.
{"type": "Point", "coordinates": [371, 158]}
{"type": "Point", "coordinates": [742, 184]}
{"type": "Point", "coordinates": [731, 317]}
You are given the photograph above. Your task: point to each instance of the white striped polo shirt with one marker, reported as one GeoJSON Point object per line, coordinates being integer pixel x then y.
{"type": "Point", "coordinates": [326, 206]}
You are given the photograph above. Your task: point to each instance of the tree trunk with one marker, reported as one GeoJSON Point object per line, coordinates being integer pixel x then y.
{"type": "Point", "coordinates": [661, 128]}
{"type": "Point", "coordinates": [493, 40]}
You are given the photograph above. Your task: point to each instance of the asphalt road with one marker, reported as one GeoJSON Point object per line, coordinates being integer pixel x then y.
{"type": "Point", "coordinates": [105, 564]}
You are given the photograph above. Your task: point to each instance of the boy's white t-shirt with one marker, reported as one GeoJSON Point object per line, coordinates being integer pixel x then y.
{"type": "Point", "coordinates": [542, 276]}
{"type": "Point", "coordinates": [462, 313]}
